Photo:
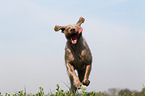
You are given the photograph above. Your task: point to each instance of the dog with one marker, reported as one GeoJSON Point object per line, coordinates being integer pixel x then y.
{"type": "Point", "coordinates": [77, 55]}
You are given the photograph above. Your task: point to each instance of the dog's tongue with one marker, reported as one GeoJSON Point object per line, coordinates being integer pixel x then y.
{"type": "Point", "coordinates": [74, 38]}
{"type": "Point", "coordinates": [73, 41]}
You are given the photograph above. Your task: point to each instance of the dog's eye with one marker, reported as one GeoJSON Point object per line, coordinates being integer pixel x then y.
{"type": "Point", "coordinates": [62, 29]}
{"type": "Point", "coordinates": [67, 29]}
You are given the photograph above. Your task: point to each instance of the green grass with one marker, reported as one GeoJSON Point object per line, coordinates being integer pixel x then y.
{"type": "Point", "coordinates": [61, 92]}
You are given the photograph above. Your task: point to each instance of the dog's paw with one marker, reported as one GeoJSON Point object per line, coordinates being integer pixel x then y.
{"type": "Point", "coordinates": [78, 84]}
{"type": "Point", "coordinates": [86, 82]}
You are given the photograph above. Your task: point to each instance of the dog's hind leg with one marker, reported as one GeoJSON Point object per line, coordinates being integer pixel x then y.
{"type": "Point", "coordinates": [81, 74]}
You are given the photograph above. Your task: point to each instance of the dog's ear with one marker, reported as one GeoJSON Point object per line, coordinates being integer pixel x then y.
{"type": "Point", "coordinates": [57, 28]}
{"type": "Point", "coordinates": [81, 20]}
{"type": "Point", "coordinates": [80, 29]}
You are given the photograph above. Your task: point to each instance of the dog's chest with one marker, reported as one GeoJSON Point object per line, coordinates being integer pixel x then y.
{"type": "Point", "coordinates": [80, 60]}
{"type": "Point", "coordinates": [78, 57]}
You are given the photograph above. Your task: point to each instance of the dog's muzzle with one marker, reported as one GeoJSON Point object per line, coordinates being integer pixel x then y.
{"type": "Point", "coordinates": [72, 30]}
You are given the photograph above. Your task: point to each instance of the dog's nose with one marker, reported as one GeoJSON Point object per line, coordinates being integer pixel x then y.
{"type": "Point", "coordinates": [72, 30]}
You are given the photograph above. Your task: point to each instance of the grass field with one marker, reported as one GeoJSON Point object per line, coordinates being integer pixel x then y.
{"type": "Point", "coordinates": [61, 92]}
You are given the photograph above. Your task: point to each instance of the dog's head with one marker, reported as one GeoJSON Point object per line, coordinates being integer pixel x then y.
{"type": "Point", "coordinates": [72, 32]}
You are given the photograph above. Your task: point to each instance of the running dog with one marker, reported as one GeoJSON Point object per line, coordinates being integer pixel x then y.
{"type": "Point", "coordinates": [77, 55]}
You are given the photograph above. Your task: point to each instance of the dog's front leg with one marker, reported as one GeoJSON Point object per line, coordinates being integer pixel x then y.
{"type": "Point", "coordinates": [86, 76]}
{"type": "Point", "coordinates": [75, 78]}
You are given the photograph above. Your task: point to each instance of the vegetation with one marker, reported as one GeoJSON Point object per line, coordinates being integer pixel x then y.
{"type": "Point", "coordinates": [60, 92]}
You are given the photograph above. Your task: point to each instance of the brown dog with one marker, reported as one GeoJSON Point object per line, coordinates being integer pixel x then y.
{"type": "Point", "coordinates": [77, 55]}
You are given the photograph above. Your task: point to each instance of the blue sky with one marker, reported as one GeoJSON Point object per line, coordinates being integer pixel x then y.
{"type": "Point", "coordinates": [32, 53]}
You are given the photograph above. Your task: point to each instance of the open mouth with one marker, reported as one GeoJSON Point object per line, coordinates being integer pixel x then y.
{"type": "Point", "coordinates": [73, 35]}
{"type": "Point", "coordinates": [73, 38]}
